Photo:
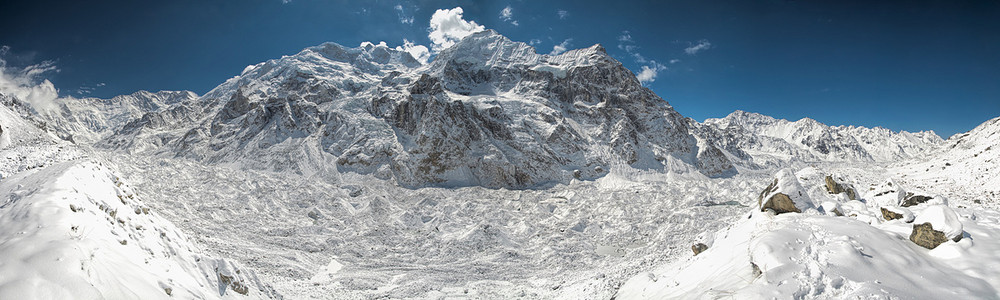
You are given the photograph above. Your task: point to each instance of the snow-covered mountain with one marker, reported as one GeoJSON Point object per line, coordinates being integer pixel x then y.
{"type": "Point", "coordinates": [757, 141]}
{"type": "Point", "coordinates": [88, 120]}
{"type": "Point", "coordinates": [486, 112]}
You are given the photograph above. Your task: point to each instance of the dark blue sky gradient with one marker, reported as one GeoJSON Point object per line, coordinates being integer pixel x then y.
{"type": "Point", "coordinates": [913, 65]}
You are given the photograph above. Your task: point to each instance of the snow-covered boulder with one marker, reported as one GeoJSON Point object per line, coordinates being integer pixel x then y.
{"type": "Point", "coordinates": [784, 195]}
{"type": "Point", "coordinates": [886, 194]}
{"type": "Point", "coordinates": [936, 225]}
{"type": "Point", "coordinates": [831, 208]}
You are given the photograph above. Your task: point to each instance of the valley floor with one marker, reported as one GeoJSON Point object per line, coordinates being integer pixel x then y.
{"type": "Point", "coordinates": [627, 235]}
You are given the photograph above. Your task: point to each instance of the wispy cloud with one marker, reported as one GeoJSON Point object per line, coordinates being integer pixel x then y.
{"type": "Point", "coordinates": [448, 27]}
{"type": "Point", "coordinates": [625, 37]}
{"type": "Point", "coordinates": [700, 46]}
{"type": "Point", "coordinates": [403, 17]}
{"type": "Point", "coordinates": [650, 69]}
{"type": "Point", "coordinates": [626, 43]}
{"type": "Point", "coordinates": [559, 49]}
{"type": "Point", "coordinates": [534, 42]}
{"type": "Point", "coordinates": [507, 15]}
{"type": "Point", "coordinates": [562, 14]}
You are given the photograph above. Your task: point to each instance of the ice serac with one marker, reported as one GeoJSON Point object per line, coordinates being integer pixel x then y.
{"type": "Point", "coordinates": [486, 112]}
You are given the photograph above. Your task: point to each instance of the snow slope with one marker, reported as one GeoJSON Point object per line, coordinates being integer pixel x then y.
{"type": "Point", "coordinates": [75, 230]}
{"type": "Point", "coordinates": [968, 164]}
{"type": "Point", "coordinates": [816, 255]}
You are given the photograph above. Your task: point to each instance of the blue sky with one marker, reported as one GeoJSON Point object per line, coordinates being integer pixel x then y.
{"type": "Point", "coordinates": [913, 65]}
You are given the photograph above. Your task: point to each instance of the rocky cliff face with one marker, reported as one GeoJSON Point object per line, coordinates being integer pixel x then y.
{"type": "Point", "coordinates": [487, 111]}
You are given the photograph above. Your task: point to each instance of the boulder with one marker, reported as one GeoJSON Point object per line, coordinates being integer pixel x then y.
{"type": "Point", "coordinates": [784, 195]}
{"type": "Point", "coordinates": [891, 215]}
{"type": "Point", "coordinates": [925, 236]}
{"type": "Point", "coordinates": [699, 248]}
{"type": "Point", "coordinates": [780, 203]}
{"type": "Point", "coordinates": [911, 200]}
{"type": "Point", "coordinates": [833, 187]}
{"type": "Point", "coordinates": [935, 225]}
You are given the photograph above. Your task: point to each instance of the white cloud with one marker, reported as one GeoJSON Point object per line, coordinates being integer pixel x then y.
{"type": "Point", "coordinates": [562, 14]}
{"type": "Point", "coordinates": [403, 18]}
{"type": "Point", "coordinates": [648, 73]}
{"type": "Point", "coordinates": [534, 42]}
{"type": "Point", "coordinates": [674, 61]}
{"type": "Point", "coordinates": [27, 85]}
{"type": "Point", "coordinates": [507, 15]}
{"type": "Point", "coordinates": [286, 1]}
{"type": "Point", "coordinates": [448, 27]}
{"type": "Point", "coordinates": [558, 49]}
{"type": "Point", "coordinates": [702, 45]}
{"type": "Point", "coordinates": [419, 52]}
